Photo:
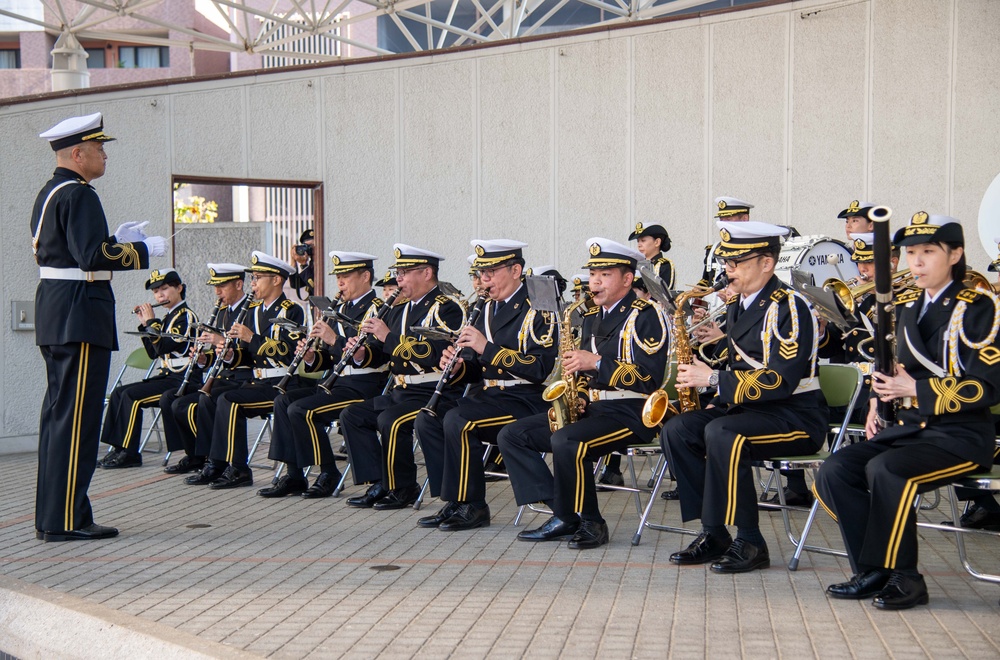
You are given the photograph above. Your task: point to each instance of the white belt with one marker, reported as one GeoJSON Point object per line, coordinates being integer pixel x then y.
{"type": "Point", "coordinates": [608, 395]}
{"type": "Point", "coordinates": [357, 371]}
{"type": "Point", "coordinates": [50, 273]}
{"type": "Point", "coordinates": [174, 363]}
{"type": "Point", "coordinates": [276, 372]}
{"type": "Point", "coordinates": [403, 381]}
{"type": "Point", "coordinates": [504, 384]}
{"type": "Point", "coordinates": [810, 386]}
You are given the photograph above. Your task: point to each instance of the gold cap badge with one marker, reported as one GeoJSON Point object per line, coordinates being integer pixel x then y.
{"type": "Point", "coordinates": [480, 251]}
{"type": "Point", "coordinates": [919, 218]}
{"type": "Point", "coordinates": [853, 206]}
{"type": "Point", "coordinates": [595, 250]}
{"type": "Point", "coordinates": [859, 244]}
{"type": "Point", "coordinates": [724, 233]}
{"type": "Point", "coordinates": [336, 260]}
{"type": "Point", "coordinates": [722, 204]}
{"type": "Point", "coordinates": [398, 253]}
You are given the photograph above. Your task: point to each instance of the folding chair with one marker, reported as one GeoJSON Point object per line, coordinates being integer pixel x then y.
{"type": "Point", "coordinates": [137, 359]}
{"type": "Point", "coordinates": [841, 385]}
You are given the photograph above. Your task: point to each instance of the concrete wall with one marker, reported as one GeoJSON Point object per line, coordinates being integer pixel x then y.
{"type": "Point", "coordinates": [799, 108]}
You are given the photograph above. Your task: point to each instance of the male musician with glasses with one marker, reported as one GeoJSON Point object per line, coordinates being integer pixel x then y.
{"type": "Point", "coordinates": [768, 404]}
{"type": "Point", "coordinates": [75, 322]}
{"type": "Point", "coordinates": [267, 348]}
{"type": "Point", "coordinates": [301, 416]}
{"type": "Point", "coordinates": [621, 359]}
{"type": "Point", "coordinates": [123, 418]}
{"type": "Point", "coordinates": [179, 409]}
{"type": "Point", "coordinates": [511, 349]}
{"type": "Point", "coordinates": [413, 365]}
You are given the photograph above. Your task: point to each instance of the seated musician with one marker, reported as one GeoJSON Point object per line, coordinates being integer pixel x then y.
{"type": "Point", "coordinates": [652, 241]}
{"type": "Point", "coordinates": [510, 350]}
{"type": "Point", "coordinates": [946, 379]}
{"type": "Point", "coordinates": [123, 417]}
{"type": "Point", "coordinates": [267, 349]}
{"type": "Point", "coordinates": [768, 404]}
{"type": "Point", "coordinates": [730, 209]}
{"type": "Point", "coordinates": [389, 465]}
{"type": "Point", "coordinates": [301, 416]}
{"type": "Point", "coordinates": [621, 360]}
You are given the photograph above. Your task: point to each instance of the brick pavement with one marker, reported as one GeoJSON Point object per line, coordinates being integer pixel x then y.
{"type": "Point", "coordinates": [295, 578]}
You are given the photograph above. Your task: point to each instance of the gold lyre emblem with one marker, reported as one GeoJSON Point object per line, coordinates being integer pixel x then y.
{"type": "Point", "coordinates": [595, 249]}
{"type": "Point", "coordinates": [638, 227]}
{"type": "Point", "coordinates": [854, 206]}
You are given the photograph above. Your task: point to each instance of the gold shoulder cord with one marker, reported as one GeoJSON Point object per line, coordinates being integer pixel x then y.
{"type": "Point", "coordinates": [956, 332]}
{"type": "Point", "coordinates": [771, 331]}
{"type": "Point", "coordinates": [629, 337]}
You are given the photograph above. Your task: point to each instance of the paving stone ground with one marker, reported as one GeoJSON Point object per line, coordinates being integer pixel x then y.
{"type": "Point", "coordinates": [294, 578]}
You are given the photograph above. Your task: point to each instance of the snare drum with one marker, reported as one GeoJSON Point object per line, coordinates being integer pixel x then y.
{"type": "Point", "coordinates": [821, 256]}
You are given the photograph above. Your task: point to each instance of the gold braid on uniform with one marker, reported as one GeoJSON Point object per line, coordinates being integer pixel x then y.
{"type": "Point", "coordinates": [507, 358]}
{"type": "Point", "coordinates": [787, 346]}
{"type": "Point", "coordinates": [626, 374]}
{"type": "Point", "coordinates": [435, 313]}
{"type": "Point", "coordinates": [956, 331]}
{"type": "Point", "coordinates": [528, 331]}
{"type": "Point", "coordinates": [629, 336]}
{"type": "Point", "coordinates": [126, 254]}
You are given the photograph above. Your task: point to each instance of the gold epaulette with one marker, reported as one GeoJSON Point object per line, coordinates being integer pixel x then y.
{"type": "Point", "coordinates": [287, 304]}
{"type": "Point", "coordinates": [968, 295]}
{"type": "Point", "coordinates": [733, 299]}
{"type": "Point", "coordinates": [779, 295]}
{"type": "Point", "coordinates": [378, 302]}
{"type": "Point", "coordinates": [908, 296]}
{"type": "Point", "coordinates": [592, 311]}
{"type": "Point", "coordinates": [256, 303]}
{"type": "Point", "coordinates": [639, 303]}
{"type": "Point", "coordinates": [443, 299]}
{"type": "Point", "coordinates": [660, 260]}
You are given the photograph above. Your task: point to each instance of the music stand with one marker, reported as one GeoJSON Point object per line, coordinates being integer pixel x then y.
{"type": "Point", "coordinates": [543, 291]}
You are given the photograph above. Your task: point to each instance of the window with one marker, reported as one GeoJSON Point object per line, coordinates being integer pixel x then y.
{"type": "Point", "coordinates": [143, 57]}
{"type": "Point", "coordinates": [10, 58]}
{"type": "Point", "coordinates": [96, 58]}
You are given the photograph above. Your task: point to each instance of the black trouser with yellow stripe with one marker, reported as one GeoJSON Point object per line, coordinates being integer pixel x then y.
{"type": "Point", "coordinates": [461, 435]}
{"type": "Point", "coordinates": [233, 408]}
{"type": "Point", "coordinates": [69, 434]}
{"type": "Point", "coordinates": [123, 418]}
{"type": "Point", "coordinates": [870, 488]}
{"type": "Point", "coordinates": [608, 426]}
{"type": "Point", "coordinates": [711, 453]}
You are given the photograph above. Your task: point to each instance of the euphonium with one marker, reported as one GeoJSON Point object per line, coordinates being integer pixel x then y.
{"type": "Point", "coordinates": [562, 394]}
{"type": "Point", "coordinates": [657, 405]}
{"type": "Point", "coordinates": [848, 294]}
{"type": "Point", "coordinates": [976, 280]}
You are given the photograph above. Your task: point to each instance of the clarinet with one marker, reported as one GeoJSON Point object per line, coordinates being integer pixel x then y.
{"type": "Point", "coordinates": [198, 348]}
{"type": "Point", "coordinates": [885, 311]}
{"type": "Point", "coordinates": [216, 367]}
{"type": "Point", "coordinates": [310, 344]}
{"type": "Point", "coordinates": [444, 380]}
{"type": "Point", "coordinates": [363, 339]}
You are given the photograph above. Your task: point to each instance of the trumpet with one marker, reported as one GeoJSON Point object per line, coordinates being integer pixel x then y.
{"type": "Point", "coordinates": [136, 309]}
{"type": "Point", "coordinates": [848, 293]}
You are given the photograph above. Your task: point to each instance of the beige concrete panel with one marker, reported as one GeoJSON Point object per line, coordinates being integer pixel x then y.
{"type": "Point", "coordinates": [910, 124]}
{"type": "Point", "coordinates": [749, 69]}
{"type": "Point", "coordinates": [591, 145]}
{"type": "Point", "coordinates": [976, 144]}
{"type": "Point", "coordinates": [203, 145]}
{"type": "Point", "coordinates": [283, 130]}
{"type": "Point", "coordinates": [361, 171]}
{"type": "Point", "coordinates": [669, 143]}
{"type": "Point", "coordinates": [829, 137]}
{"type": "Point", "coordinates": [515, 151]}
{"type": "Point", "coordinates": [439, 161]}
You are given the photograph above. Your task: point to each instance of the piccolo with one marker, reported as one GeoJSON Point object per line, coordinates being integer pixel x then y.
{"type": "Point", "coordinates": [138, 307]}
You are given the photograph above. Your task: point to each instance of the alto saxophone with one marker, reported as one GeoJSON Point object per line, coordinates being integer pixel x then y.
{"type": "Point", "coordinates": [563, 393]}
{"type": "Point", "coordinates": [658, 404]}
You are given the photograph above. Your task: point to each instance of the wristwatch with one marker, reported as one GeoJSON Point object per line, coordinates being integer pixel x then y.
{"type": "Point", "coordinates": [713, 379]}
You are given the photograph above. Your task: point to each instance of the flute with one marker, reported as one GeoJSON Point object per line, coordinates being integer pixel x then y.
{"type": "Point", "coordinates": [138, 307]}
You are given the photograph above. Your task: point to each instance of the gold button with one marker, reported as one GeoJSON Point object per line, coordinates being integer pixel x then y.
{"type": "Point", "coordinates": [900, 422]}
{"type": "Point", "coordinates": [923, 425]}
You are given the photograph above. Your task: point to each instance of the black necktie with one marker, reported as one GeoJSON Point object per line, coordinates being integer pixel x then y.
{"type": "Point", "coordinates": [499, 306]}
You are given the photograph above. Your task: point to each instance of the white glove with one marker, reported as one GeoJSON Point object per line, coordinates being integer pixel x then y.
{"type": "Point", "coordinates": [130, 232]}
{"type": "Point", "coordinates": [156, 245]}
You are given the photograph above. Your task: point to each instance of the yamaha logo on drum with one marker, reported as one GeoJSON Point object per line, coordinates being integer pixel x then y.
{"type": "Point", "coordinates": [824, 259]}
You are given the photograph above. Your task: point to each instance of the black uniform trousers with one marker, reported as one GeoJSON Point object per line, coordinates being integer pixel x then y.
{"type": "Point", "coordinates": [522, 444]}
{"type": "Point", "coordinates": [195, 413]}
{"type": "Point", "coordinates": [233, 408]}
{"type": "Point", "coordinates": [391, 417]}
{"type": "Point", "coordinates": [461, 435]}
{"type": "Point", "coordinates": [123, 418]}
{"type": "Point", "coordinates": [607, 426]}
{"type": "Point", "coordinates": [69, 434]}
{"type": "Point", "coordinates": [711, 453]}
{"type": "Point", "coordinates": [870, 487]}
{"type": "Point", "coordinates": [180, 433]}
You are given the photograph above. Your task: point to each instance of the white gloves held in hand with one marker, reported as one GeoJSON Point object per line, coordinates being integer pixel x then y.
{"type": "Point", "coordinates": [156, 245]}
{"type": "Point", "coordinates": [131, 232]}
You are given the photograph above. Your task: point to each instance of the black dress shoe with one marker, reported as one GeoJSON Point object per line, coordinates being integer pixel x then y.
{"type": "Point", "coordinates": [498, 469]}
{"type": "Point", "coordinates": [792, 498]}
{"type": "Point", "coordinates": [703, 549]}
{"type": "Point", "coordinates": [208, 474]}
{"type": "Point", "coordinates": [122, 459]}
{"type": "Point", "coordinates": [375, 493]}
{"type": "Point", "coordinates": [233, 477]}
{"type": "Point", "coordinates": [89, 533]}
{"type": "Point", "coordinates": [186, 464]}
{"type": "Point", "coordinates": [398, 498]}
{"type": "Point", "coordinates": [554, 529]}
{"type": "Point", "coordinates": [114, 451]}
{"type": "Point", "coordinates": [590, 534]}
{"type": "Point", "coordinates": [467, 516]}
{"type": "Point", "coordinates": [979, 518]}
{"type": "Point", "coordinates": [609, 477]}
{"type": "Point", "coordinates": [287, 485]}
{"type": "Point", "coordinates": [742, 557]}
{"type": "Point", "coordinates": [324, 485]}
{"type": "Point", "coordinates": [433, 521]}
{"type": "Point", "coordinates": [671, 494]}
{"type": "Point", "coordinates": [902, 592]}
{"type": "Point", "coordinates": [860, 586]}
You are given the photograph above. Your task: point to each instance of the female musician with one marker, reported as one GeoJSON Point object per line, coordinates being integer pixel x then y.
{"type": "Point", "coordinates": [948, 376]}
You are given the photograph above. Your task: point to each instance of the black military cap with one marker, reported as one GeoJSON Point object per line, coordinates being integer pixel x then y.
{"type": "Point", "coordinates": [307, 235]}
{"type": "Point", "coordinates": [856, 208]}
{"type": "Point", "coordinates": [654, 231]}
{"type": "Point", "coordinates": [161, 277]}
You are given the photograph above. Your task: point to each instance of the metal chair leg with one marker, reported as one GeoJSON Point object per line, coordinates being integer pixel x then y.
{"type": "Point", "coordinates": [343, 479]}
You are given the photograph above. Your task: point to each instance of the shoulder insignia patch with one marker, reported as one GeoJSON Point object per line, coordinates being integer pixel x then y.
{"type": "Point", "coordinates": [990, 355]}
{"type": "Point", "coordinates": [908, 296]}
{"type": "Point", "coordinates": [660, 260]}
{"type": "Point", "coordinates": [968, 295]}
{"type": "Point", "coordinates": [733, 299]}
{"type": "Point", "coordinates": [256, 303]}
{"type": "Point", "coordinates": [287, 304]}
{"type": "Point", "coordinates": [443, 299]}
{"type": "Point", "coordinates": [639, 303]}
{"type": "Point", "coordinates": [378, 302]}
{"type": "Point", "coordinates": [591, 312]}
{"type": "Point", "coordinates": [779, 295]}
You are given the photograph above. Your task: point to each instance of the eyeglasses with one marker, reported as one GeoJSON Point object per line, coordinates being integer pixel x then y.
{"type": "Point", "coordinates": [403, 272]}
{"type": "Point", "coordinates": [733, 263]}
{"type": "Point", "coordinates": [490, 272]}
{"type": "Point", "coordinates": [257, 278]}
